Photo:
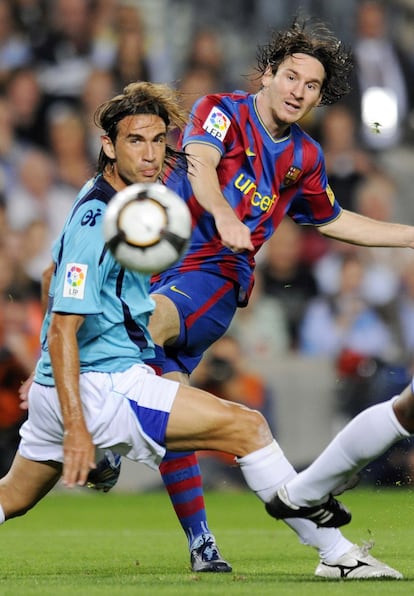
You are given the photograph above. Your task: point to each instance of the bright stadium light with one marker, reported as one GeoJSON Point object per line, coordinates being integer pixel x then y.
{"type": "Point", "coordinates": [380, 112]}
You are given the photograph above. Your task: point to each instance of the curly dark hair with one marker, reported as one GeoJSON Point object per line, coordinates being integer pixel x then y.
{"type": "Point", "coordinates": [312, 37]}
{"type": "Point", "coordinates": [141, 97]}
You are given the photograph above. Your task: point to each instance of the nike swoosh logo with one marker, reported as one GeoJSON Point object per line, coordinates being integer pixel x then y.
{"type": "Point", "coordinates": [175, 289]}
{"type": "Point", "coordinates": [250, 153]}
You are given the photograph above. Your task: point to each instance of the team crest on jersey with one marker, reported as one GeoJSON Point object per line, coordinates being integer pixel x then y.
{"type": "Point", "coordinates": [291, 175]}
{"type": "Point", "coordinates": [75, 279]}
{"type": "Point", "coordinates": [217, 124]}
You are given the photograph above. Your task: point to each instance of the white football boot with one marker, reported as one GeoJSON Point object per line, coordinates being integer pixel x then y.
{"type": "Point", "coordinates": [357, 563]}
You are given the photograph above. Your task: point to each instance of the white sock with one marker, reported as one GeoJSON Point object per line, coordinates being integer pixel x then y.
{"type": "Point", "coordinates": [2, 516]}
{"type": "Point", "coordinates": [363, 439]}
{"type": "Point", "coordinates": [266, 470]}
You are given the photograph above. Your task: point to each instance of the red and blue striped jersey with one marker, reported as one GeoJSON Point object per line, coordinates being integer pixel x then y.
{"type": "Point", "coordinates": [262, 178]}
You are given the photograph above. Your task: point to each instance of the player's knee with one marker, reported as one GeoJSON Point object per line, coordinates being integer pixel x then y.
{"type": "Point", "coordinates": [14, 504]}
{"type": "Point", "coordinates": [253, 431]}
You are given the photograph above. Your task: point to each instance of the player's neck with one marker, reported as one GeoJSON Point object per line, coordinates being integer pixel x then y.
{"type": "Point", "coordinates": [274, 126]}
{"type": "Point", "coordinates": [111, 176]}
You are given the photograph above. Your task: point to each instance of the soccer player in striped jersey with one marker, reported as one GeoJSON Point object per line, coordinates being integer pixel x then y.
{"type": "Point", "coordinates": [249, 165]}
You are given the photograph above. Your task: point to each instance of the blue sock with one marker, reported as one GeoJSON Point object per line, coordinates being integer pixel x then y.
{"type": "Point", "coordinates": [182, 479]}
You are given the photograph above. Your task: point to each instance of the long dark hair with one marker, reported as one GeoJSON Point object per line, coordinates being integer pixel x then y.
{"type": "Point", "coordinates": [312, 37]}
{"type": "Point", "coordinates": [141, 98]}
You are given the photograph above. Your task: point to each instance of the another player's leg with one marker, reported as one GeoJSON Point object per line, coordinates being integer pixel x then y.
{"type": "Point", "coordinates": [182, 479]}
{"type": "Point", "coordinates": [25, 484]}
{"type": "Point", "coordinates": [233, 429]}
{"type": "Point", "coordinates": [180, 472]}
{"type": "Point", "coordinates": [363, 439]}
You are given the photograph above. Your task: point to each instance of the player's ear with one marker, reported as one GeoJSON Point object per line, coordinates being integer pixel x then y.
{"type": "Point", "coordinates": [108, 147]}
{"type": "Point", "coordinates": [318, 103]}
{"type": "Point", "coordinates": [267, 76]}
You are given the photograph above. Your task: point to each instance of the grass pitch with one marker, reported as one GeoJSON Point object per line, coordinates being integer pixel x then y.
{"type": "Point", "coordinates": [83, 542]}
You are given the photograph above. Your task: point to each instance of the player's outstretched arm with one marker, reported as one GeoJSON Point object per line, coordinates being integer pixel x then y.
{"type": "Point", "coordinates": [357, 229]}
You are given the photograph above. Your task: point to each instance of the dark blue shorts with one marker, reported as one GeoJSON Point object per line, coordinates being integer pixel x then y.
{"type": "Point", "coordinates": [206, 304]}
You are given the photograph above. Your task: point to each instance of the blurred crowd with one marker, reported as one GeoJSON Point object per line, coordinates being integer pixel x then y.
{"type": "Point", "coordinates": [59, 59]}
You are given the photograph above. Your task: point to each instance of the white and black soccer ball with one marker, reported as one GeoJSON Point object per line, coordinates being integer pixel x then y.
{"type": "Point", "coordinates": [147, 227]}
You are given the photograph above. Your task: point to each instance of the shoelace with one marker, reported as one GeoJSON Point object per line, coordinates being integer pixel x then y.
{"type": "Point", "coordinates": [208, 552]}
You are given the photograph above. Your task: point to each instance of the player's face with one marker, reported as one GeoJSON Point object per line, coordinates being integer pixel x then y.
{"type": "Point", "coordinates": [139, 150]}
{"type": "Point", "coordinates": [290, 93]}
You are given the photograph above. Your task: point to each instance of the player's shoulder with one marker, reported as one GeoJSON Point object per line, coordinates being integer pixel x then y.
{"type": "Point", "coordinates": [307, 140]}
{"type": "Point", "coordinates": [91, 202]}
{"type": "Point", "coordinates": [311, 149]}
{"type": "Point", "coordinates": [96, 189]}
{"type": "Point", "coordinates": [95, 192]}
{"type": "Point", "coordinates": [225, 100]}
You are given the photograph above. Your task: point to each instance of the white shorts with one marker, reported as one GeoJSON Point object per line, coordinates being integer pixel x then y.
{"type": "Point", "coordinates": [126, 411]}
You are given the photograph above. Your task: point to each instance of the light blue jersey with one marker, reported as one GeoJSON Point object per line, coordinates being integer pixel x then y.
{"type": "Point", "coordinates": [88, 281]}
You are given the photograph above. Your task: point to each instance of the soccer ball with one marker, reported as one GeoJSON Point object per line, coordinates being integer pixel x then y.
{"type": "Point", "coordinates": [147, 227]}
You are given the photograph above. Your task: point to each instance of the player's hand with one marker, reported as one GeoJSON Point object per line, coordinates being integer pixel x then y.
{"type": "Point", "coordinates": [234, 234]}
{"type": "Point", "coordinates": [24, 392]}
{"type": "Point", "coordinates": [78, 456]}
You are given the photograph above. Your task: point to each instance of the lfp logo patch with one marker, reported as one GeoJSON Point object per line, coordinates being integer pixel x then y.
{"type": "Point", "coordinates": [75, 279]}
{"type": "Point", "coordinates": [217, 124]}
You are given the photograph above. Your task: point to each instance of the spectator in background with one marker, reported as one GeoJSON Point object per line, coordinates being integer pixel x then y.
{"type": "Point", "coordinates": [347, 163]}
{"type": "Point", "coordinates": [37, 196]}
{"type": "Point", "coordinates": [17, 253]}
{"type": "Point", "coordinates": [349, 329]}
{"type": "Point", "coordinates": [344, 321]}
{"type": "Point", "coordinates": [31, 19]}
{"type": "Point", "coordinates": [37, 206]}
{"type": "Point", "coordinates": [27, 107]}
{"type": "Point", "coordinates": [20, 321]}
{"type": "Point", "coordinates": [382, 92]}
{"type": "Point", "coordinates": [131, 62]}
{"type": "Point", "coordinates": [206, 50]}
{"type": "Point", "coordinates": [225, 372]}
{"type": "Point", "coordinates": [375, 197]}
{"type": "Point", "coordinates": [99, 87]}
{"type": "Point", "coordinates": [11, 149]}
{"type": "Point", "coordinates": [68, 53]}
{"type": "Point", "coordinates": [261, 328]}
{"type": "Point", "coordinates": [196, 81]}
{"type": "Point", "coordinates": [12, 373]}
{"type": "Point", "coordinates": [286, 276]}
{"type": "Point", "coordinates": [15, 50]}
{"type": "Point", "coordinates": [67, 140]}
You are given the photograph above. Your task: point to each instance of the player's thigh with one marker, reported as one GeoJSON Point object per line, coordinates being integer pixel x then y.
{"type": "Point", "coordinates": [164, 324]}
{"type": "Point", "coordinates": [205, 305]}
{"type": "Point", "coordinates": [199, 420]}
{"type": "Point", "coordinates": [26, 483]}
